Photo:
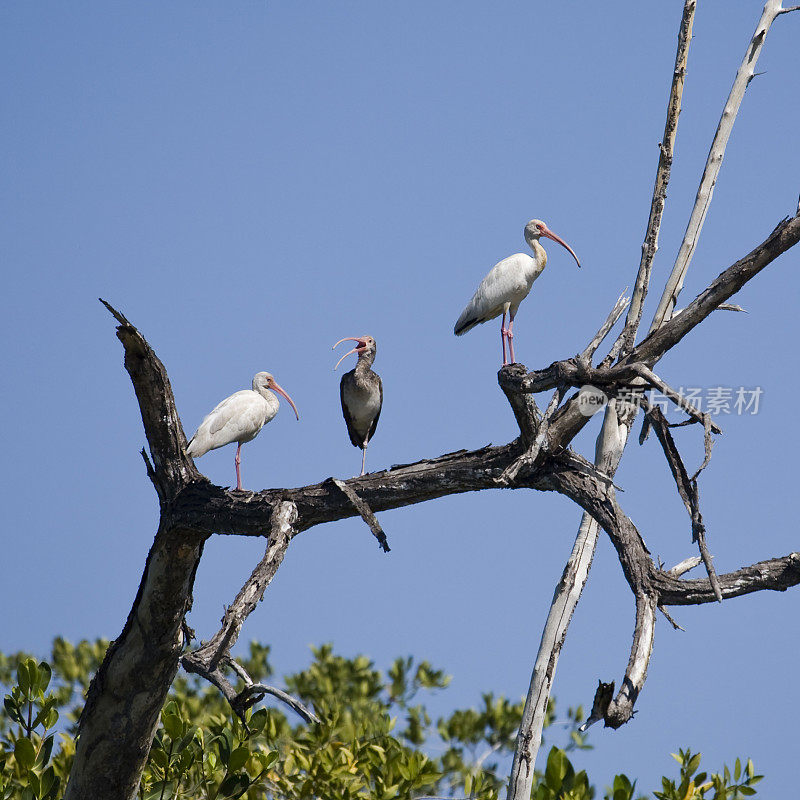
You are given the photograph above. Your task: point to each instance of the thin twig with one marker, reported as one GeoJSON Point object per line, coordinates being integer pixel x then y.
{"type": "Point", "coordinates": [688, 491]}
{"type": "Point", "coordinates": [648, 375]}
{"type": "Point", "coordinates": [615, 313]}
{"type": "Point", "coordinates": [708, 443]}
{"type": "Point", "coordinates": [255, 692]}
{"type": "Point", "coordinates": [682, 567]}
{"type": "Point", "coordinates": [670, 619]}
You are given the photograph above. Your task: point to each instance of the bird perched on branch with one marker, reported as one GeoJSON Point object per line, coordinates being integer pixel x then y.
{"type": "Point", "coordinates": [361, 391]}
{"type": "Point", "coordinates": [507, 285]}
{"type": "Point", "coordinates": [239, 418]}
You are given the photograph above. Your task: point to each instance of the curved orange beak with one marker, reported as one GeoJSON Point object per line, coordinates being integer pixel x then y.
{"type": "Point", "coordinates": [274, 386]}
{"type": "Point", "coordinates": [550, 235]}
{"type": "Point", "coordinates": [362, 345]}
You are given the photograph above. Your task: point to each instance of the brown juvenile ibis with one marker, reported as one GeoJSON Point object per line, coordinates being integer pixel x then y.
{"type": "Point", "coordinates": [507, 285]}
{"type": "Point", "coordinates": [361, 391]}
{"type": "Point", "coordinates": [239, 418]}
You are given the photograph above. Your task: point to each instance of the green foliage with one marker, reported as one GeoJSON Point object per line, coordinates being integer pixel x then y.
{"type": "Point", "coordinates": [694, 785]}
{"type": "Point", "coordinates": [376, 739]}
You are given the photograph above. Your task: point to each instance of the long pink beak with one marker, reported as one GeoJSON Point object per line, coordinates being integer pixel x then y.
{"type": "Point", "coordinates": [279, 390]}
{"type": "Point", "coordinates": [361, 345]}
{"type": "Point", "coordinates": [550, 235]}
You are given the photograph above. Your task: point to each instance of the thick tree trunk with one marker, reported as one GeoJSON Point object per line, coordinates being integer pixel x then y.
{"type": "Point", "coordinates": [127, 694]}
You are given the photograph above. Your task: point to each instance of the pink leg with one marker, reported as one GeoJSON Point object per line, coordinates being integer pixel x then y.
{"type": "Point", "coordinates": [363, 459]}
{"type": "Point", "coordinates": [238, 460]}
{"type": "Point", "coordinates": [510, 335]}
{"type": "Point", "coordinates": [503, 333]}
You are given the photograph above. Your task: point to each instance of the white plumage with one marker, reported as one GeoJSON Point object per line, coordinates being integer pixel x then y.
{"type": "Point", "coordinates": [239, 418]}
{"type": "Point", "coordinates": [507, 285]}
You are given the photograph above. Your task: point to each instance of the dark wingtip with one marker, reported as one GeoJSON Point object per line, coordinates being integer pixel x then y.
{"type": "Point", "coordinates": [459, 330]}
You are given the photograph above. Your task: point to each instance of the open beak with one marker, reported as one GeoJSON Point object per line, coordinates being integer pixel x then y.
{"type": "Point", "coordinates": [361, 347]}
{"type": "Point", "coordinates": [274, 386]}
{"type": "Point", "coordinates": [550, 235]}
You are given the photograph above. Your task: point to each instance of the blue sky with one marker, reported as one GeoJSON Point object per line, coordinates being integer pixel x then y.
{"type": "Point", "coordinates": [251, 182]}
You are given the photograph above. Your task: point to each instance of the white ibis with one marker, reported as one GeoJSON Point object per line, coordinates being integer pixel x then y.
{"type": "Point", "coordinates": [361, 391]}
{"type": "Point", "coordinates": [507, 285]}
{"type": "Point", "coordinates": [239, 418]}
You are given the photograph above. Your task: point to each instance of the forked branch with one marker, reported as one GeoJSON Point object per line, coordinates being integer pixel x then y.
{"type": "Point", "coordinates": [772, 9]}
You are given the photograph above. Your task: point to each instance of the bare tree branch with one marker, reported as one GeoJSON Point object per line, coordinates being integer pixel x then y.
{"type": "Point", "coordinates": [608, 452]}
{"type": "Point", "coordinates": [651, 349]}
{"type": "Point", "coordinates": [775, 574]}
{"type": "Point", "coordinates": [128, 691]}
{"type": "Point", "coordinates": [254, 692]}
{"type": "Point", "coordinates": [529, 456]}
{"type": "Point", "coordinates": [685, 566]}
{"type": "Point", "coordinates": [785, 235]}
{"type": "Point", "coordinates": [670, 619]}
{"type": "Point", "coordinates": [207, 658]}
{"type": "Point", "coordinates": [666, 149]}
{"type": "Point", "coordinates": [615, 313]}
{"type": "Point", "coordinates": [688, 491]}
{"type": "Point", "coordinates": [366, 514]}
{"type": "Point", "coordinates": [772, 9]}
{"type": "Point", "coordinates": [620, 709]}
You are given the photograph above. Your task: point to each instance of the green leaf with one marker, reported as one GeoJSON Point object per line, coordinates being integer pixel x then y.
{"type": "Point", "coordinates": [23, 677]}
{"type": "Point", "coordinates": [25, 753]}
{"type": "Point", "coordinates": [54, 789]}
{"type": "Point", "coordinates": [45, 674]}
{"type": "Point", "coordinates": [47, 781]}
{"type": "Point", "coordinates": [556, 770]}
{"type": "Point", "coordinates": [52, 718]}
{"type": "Point", "coordinates": [33, 674]}
{"type": "Point", "coordinates": [747, 790]}
{"type": "Point", "coordinates": [268, 759]}
{"type": "Point", "coordinates": [44, 753]}
{"type": "Point", "coordinates": [185, 741]}
{"type": "Point", "coordinates": [234, 785]}
{"type": "Point", "coordinates": [238, 758]}
{"type": "Point", "coordinates": [737, 770]}
{"type": "Point", "coordinates": [159, 757]}
{"type": "Point", "coordinates": [12, 709]}
{"type": "Point", "coordinates": [172, 725]}
{"type": "Point", "coordinates": [171, 708]}
{"type": "Point", "coordinates": [694, 763]}
{"type": "Point", "coordinates": [258, 721]}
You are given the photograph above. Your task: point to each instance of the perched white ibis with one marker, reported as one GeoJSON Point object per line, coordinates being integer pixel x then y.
{"type": "Point", "coordinates": [361, 391]}
{"type": "Point", "coordinates": [507, 285]}
{"type": "Point", "coordinates": [239, 418]}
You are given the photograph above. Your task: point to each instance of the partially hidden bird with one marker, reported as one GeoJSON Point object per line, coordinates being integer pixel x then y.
{"type": "Point", "coordinates": [507, 284]}
{"type": "Point", "coordinates": [239, 418]}
{"type": "Point", "coordinates": [361, 391]}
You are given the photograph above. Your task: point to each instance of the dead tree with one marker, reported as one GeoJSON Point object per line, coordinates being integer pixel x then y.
{"type": "Point", "coordinates": [129, 690]}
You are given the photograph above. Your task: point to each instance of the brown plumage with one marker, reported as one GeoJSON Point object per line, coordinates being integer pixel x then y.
{"type": "Point", "coordinates": [361, 392]}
